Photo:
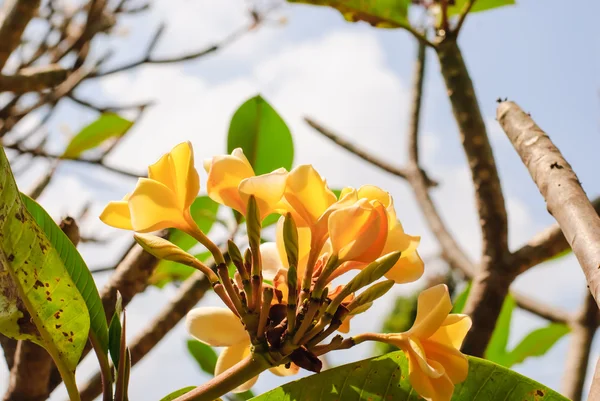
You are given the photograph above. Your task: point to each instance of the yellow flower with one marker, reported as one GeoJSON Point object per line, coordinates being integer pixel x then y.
{"type": "Point", "coordinates": [410, 266]}
{"type": "Point", "coordinates": [433, 344]}
{"type": "Point", "coordinates": [231, 182]}
{"type": "Point", "coordinates": [219, 327]}
{"type": "Point", "coordinates": [163, 199]}
{"type": "Point", "coordinates": [358, 232]}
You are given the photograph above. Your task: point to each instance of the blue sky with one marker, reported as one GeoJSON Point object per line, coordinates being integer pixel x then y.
{"type": "Point", "coordinates": [356, 80]}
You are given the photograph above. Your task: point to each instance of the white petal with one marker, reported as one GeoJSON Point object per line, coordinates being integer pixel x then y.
{"type": "Point", "coordinates": [217, 327]}
{"type": "Point", "coordinates": [230, 357]}
{"type": "Point", "coordinates": [271, 262]}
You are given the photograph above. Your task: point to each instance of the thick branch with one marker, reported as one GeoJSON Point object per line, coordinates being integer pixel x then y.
{"type": "Point", "coordinates": [33, 79]}
{"type": "Point", "coordinates": [192, 290]}
{"type": "Point", "coordinates": [491, 282]}
{"type": "Point", "coordinates": [560, 187]}
{"type": "Point", "coordinates": [578, 356]}
{"type": "Point", "coordinates": [9, 347]}
{"type": "Point", "coordinates": [545, 245]}
{"type": "Point", "coordinates": [565, 198]}
{"type": "Point", "coordinates": [14, 17]}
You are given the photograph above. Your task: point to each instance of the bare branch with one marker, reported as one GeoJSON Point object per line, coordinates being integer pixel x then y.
{"type": "Point", "coordinates": [544, 246]}
{"type": "Point", "coordinates": [463, 16]}
{"type": "Point", "coordinates": [33, 79]}
{"type": "Point", "coordinates": [14, 17]}
{"type": "Point", "coordinates": [43, 182]}
{"type": "Point", "coordinates": [30, 373]}
{"type": "Point", "coordinates": [560, 187]}
{"type": "Point", "coordinates": [583, 329]}
{"type": "Point", "coordinates": [9, 347]}
{"type": "Point", "coordinates": [356, 150]}
{"type": "Point", "coordinates": [192, 290]}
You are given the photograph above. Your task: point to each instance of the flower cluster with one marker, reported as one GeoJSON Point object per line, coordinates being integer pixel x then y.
{"type": "Point", "coordinates": [281, 303]}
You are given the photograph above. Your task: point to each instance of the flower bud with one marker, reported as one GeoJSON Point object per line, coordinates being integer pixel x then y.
{"type": "Point", "coordinates": [290, 240]}
{"type": "Point", "coordinates": [371, 294]}
{"type": "Point", "coordinates": [163, 249]}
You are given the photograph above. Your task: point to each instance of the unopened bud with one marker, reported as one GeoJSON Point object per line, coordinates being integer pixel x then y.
{"type": "Point", "coordinates": [371, 294]}
{"type": "Point", "coordinates": [163, 249]}
{"type": "Point", "coordinates": [290, 240]}
{"type": "Point", "coordinates": [236, 258]}
{"type": "Point", "coordinates": [253, 223]}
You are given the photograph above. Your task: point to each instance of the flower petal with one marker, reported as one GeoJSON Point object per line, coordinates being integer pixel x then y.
{"type": "Point", "coordinates": [372, 192]}
{"type": "Point", "coordinates": [187, 181]}
{"type": "Point", "coordinates": [162, 172]}
{"type": "Point", "coordinates": [433, 307]}
{"type": "Point", "coordinates": [217, 327]}
{"type": "Point", "coordinates": [116, 214]}
{"type": "Point", "coordinates": [455, 364]}
{"type": "Point", "coordinates": [266, 188]}
{"type": "Point", "coordinates": [153, 207]}
{"type": "Point", "coordinates": [453, 331]}
{"type": "Point", "coordinates": [224, 176]}
{"type": "Point", "coordinates": [410, 266]}
{"type": "Point", "coordinates": [281, 370]}
{"type": "Point", "coordinates": [271, 261]}
{"type": "Point", "coordinates": [230, 357]}
{"type": "Point", "coordinates": [307, 194]}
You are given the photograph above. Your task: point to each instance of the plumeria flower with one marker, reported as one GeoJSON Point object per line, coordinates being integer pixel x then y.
{"type": "Point", "coordinates": [163, 199]}
{"type": "Point", "coordinates": [410, 265]}
{"type": "Point", "coordinates": [231, 182]}
{"type": "Point", "coordinates": [219, 327]}
{"type": "Point", "coordinates": [433, 344]}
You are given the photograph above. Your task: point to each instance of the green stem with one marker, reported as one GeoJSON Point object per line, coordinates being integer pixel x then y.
{"type": "Point", "coordinates": [227, 381]}
{"type": "Point", "coordinates": [105, 373]}
{"type": "Point", "coordinates": [199, 236]}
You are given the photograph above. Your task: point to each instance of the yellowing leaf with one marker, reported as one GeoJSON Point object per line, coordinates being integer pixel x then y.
{"type": "Point", "coordinates": [480, 5]}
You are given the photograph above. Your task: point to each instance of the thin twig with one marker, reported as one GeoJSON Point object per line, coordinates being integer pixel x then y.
{"type": "Point", "coordinates": [33, 79]}
{"type": "Point", "coordinates": [583, 329]}
{"type": "Point", "coordinates": [14, 17]}
{"type": "Point", "coordinates": [463, 16]}
{"type": "Point", "coordinates": [358, 151]}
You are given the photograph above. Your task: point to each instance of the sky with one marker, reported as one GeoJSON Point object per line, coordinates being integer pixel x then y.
{"type": "Point", "coordinates": [355, 80]}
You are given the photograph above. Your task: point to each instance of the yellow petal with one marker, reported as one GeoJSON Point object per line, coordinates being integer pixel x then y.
{"type": "Point", "coordinates": [358, 232]}
{"type": "Point", "coordinates": [455, 364]}
{"type": "Point", "coordinates": [433, 306]}
{"type": "Point", "coordinates": [116, 214]}
{"type": "Point", "coordinates": [230, 357]}
{"type": "Point", "coordinates": [224, 176]}
{"type": "Point", "coordinates": [162, 172]}
{"type": "Point", "coordinates": [453, 331]}
{"type": "Point", "coordinates": [308, 194]}
{"type": "Point", "coordinates": [239, 154]}
{"type": "Point", "coordinates": [410, 266]}
{"type": "Point", "coordinates": [271, 261]}
{"type": "Point", "coordinates": [372, 192]}
{"type": "Point", "coordinates": [153, 207]}
{"type": "Point", "coordinates": [319, 231]}
{"type": "Point", "coordinates": [266, 188]}
{"type": "Point", "coordinates": [304, 237]}
{"type": "Point", "coordinates": [217, 327]}
{"type": "Point", "coordinates": [281, 370]}
{"type": "Point", "coordinates": [186, 177]}
{"type": "Point", "coordinates": [415, 347]}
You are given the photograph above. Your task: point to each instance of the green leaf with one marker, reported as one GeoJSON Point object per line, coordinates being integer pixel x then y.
{"type": "Point", "coordinates": [75, 266]}
{"type": "Point", "coordinates": [480, 5]}
{"type": "Point", "coordinates": [204, 354]}
{"type": "Point", "coordinates": [204, 212]}
{"type": "Point", "coordinates": [114, 331]}
{"type": "Point", "coordinates": [108, 125]}
{"type": "Point", "coordinates": [177, 393]}
{"type": "Point", "coordinates": [496, 350]}
{"type": "Point", "coordinates": [263, 135]}
{"type": "Point", "coordinates": [386, 378]}
{"type": "Point", "coordinates": [337, 192]}
{"type": "Point", "coordinates": [461, 299]}
{"type": "Point", "coordinates": [124, 365]}
{"type": "Point", "coordinates": [38, 299]}
{"type": "Point", "coordinates": [168, 271]}
{"type": "Point", "coordinates": [270, 220]}
{"type": "Point", "coordinates": [378, 13]}
{"type": "Point", "coordinates": [536, 343]}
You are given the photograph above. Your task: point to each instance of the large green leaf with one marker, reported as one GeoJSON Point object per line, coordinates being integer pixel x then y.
{"type": "Point", "coordinates": [536, 343]}
{"type": "Point", "coordinates": [496, 349]}
{"type": "Point", "coordinates": [39, 300]}
{"type": "Point", "coordinates": [204, 354]}
{"type": "Point", "coordinates": [76, 267]}
{"type": "Point", "coordinates": [262, 134]}
{"type": "Point", "coordinates": [379, 13]}
{"type": "Point", "coordinates": [461, 299]}
{"type": "Point", "coordinates": [480, 5]}
{"type": "Point", "coordinates": [108, 125]}
{"type": "Point", "coordinates": [386, 378]}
